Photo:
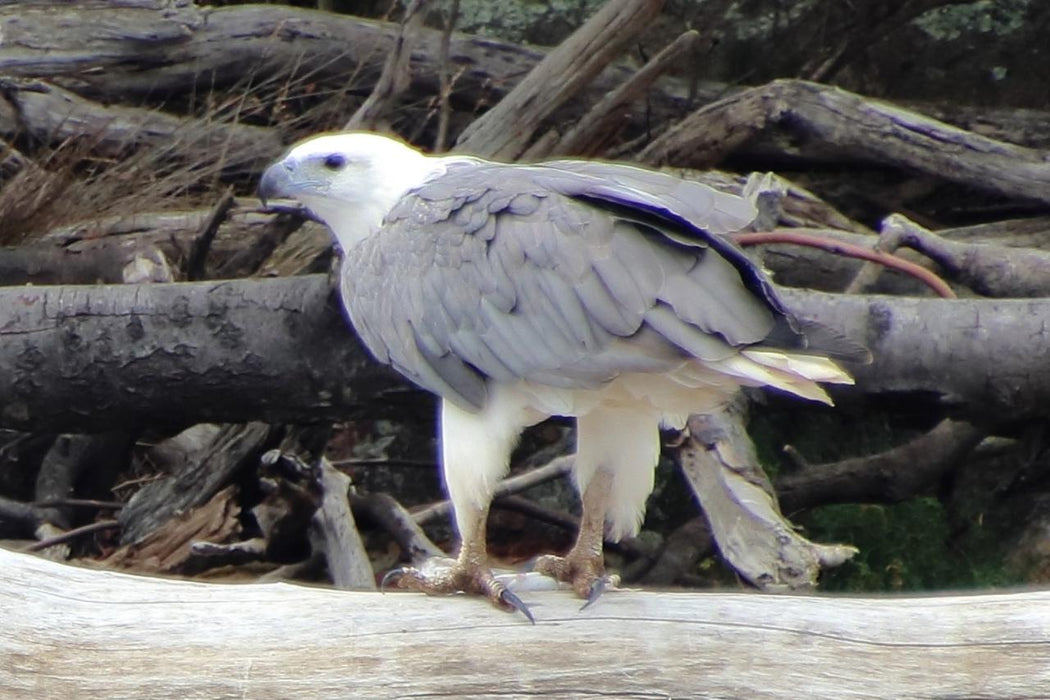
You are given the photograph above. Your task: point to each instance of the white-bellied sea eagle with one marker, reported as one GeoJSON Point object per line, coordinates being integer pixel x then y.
{"type": "Point", "coordinates": [567, 288]}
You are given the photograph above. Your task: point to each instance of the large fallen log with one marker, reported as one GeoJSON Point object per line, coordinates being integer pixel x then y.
{"type": "Point", "coordinates": [83, 359]}
{"type": "Point", "coordinates": [74, 632]}
{"type": "Point", "coordinates": [148, 50]}
{"type": "Point", "coordinates": [854, 126]}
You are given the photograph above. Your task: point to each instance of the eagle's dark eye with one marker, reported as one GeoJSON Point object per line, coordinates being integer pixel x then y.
{"type": "Point", "coordinates": [334, 161]}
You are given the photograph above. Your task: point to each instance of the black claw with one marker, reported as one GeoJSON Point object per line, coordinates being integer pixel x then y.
{"type": "Point", "coordinates": [399, 572]}
{"type": "Point", "coordinates": [597, 588]}
{"type": "Point", "coordinates": [515, 602]}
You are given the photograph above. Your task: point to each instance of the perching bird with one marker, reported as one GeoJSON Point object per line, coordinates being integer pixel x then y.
{"type": "Point", "coordinates": [569, 288]}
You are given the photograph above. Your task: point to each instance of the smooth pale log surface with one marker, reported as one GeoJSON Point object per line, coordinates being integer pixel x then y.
{"type": "Point", "coordinates": [73, 632]}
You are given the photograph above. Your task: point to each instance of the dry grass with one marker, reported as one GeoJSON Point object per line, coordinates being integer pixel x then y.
{"type": "Point", "coordinates": [232, 136]}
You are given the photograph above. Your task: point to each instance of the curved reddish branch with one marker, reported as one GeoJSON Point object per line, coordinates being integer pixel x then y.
{"type": "Point", "coordinates": [931, 280]}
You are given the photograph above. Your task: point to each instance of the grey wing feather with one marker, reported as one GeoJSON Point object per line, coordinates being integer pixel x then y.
{"type": "Point", "coordinates": [566, 273]}
{"type": "Point", "coordinates": [714, 211]}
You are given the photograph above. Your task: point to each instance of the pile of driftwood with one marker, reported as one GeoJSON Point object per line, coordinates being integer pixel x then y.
{"type": "Point", "coordinates": [173, 418]}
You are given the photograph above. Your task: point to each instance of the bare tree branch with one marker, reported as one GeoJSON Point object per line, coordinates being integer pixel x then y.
{"type": "Point", "coordinates": [504, 132]}
{"type": "Point", "coordinates": [608, 116]}
{"type": "Point", "coordinates": [395, 78]}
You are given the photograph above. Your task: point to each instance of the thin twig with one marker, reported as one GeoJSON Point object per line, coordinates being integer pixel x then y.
{"type": "Point", "coordinates": [556, 468]}
{"type": "Point", "coordinates": [421, 463]}
{"type": "Point", "coordinates": [78, 503]}
{"type": "Point", "coordinates": [70, 535]}
{"type": "Point", "coordinates": [202, 241]}
{"type": "Point", "coordinates": [889, 241]}
{"type": "Point", "coordinates": [931, 280]}
{"type": "Point", "coordinates": [445, 74]}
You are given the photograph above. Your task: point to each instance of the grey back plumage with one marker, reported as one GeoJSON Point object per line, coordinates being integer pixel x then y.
{"type": "Point", "coordinates": [566, 273]}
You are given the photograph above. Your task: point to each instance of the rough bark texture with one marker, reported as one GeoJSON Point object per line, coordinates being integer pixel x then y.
{"type": "Point", "coordinates": [962, 353]}
{"type": "Point", "coordinates": [49, 113]}
{"type": "Point", "coordinates": [86, 358]}
{"type": "Point", "coordinates": [194, 482]}
{"type": "Point", "coordinates": [89, 358]}
{"type": "Point", "coordinates": [720, 465]}
{"type": "Point", "coordinates": [889, 477]}
{"type": "Point", "coordinates": [855, 126]}
{"type": "Point", "coordinates": [155, 96]}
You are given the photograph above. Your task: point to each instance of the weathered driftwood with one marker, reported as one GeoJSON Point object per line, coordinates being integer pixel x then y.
{"type": "Point", "coordinates": [607, 118]}
{"type": "Point", "coordinates": [987, 268]}
{"type": "Point", "coordinates": [1004, 260]}
{"type": "Point", "coordinates": [920, 345]}
{"type": "Point", "coordinates": [396, 75]}
{"type": "Point", "coordinates": [334, 532]}
{"type": "Point", "coordinates": [74, 632]}
{"type": "Point", "coordinates": [1025, 127]}
{"type": "Point", "coordinates": [200, 475]}
{"type": "Point", "coordinates": [721, 466]}
{"type": "Point", "coordinates": [100, 250]}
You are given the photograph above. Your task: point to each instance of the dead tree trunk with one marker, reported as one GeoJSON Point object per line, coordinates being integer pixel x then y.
{"type": "Point", "coordinates": [86, 358]}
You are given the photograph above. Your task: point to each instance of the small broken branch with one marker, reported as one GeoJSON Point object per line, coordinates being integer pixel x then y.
{"type": "Point", "coordinates": [841, 248]}
{"type": "Point", "coordinates": [396, 75]}
{"type": "Point", "coordinates": [505, 131]}
{"type": "Point", "coordinates": [336, 533]}
{"type": "Point", "coordinates": [200, 476]}
{"type": "Point", "coordinates": [590, 135]}
{"type": "Point", "coordinates": [555, 469]}
{"type": "Point", "coordinates": [720, 464]}
{"type": "Point", "coordinates": [986, 268]}
{"type": "Point", "coordinates": [445, 75]}
{"type": "Point", "coordinates": [888, 477]}
{"type": "Point", "coordinates": [70, 535]}
{"type": "Point", "coordinates": [203, 240]}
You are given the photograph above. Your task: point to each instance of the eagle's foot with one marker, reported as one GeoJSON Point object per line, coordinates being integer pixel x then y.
{"type": "Point", "coordinates": [460, 578]}
{"type": "Point", "coordinates": [585, 573]}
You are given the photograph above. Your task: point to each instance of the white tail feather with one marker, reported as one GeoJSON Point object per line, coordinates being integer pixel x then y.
{"type": "Point", "coordinates": [795, 374]}
{"type": "Point", "coordinates": [819, 369]}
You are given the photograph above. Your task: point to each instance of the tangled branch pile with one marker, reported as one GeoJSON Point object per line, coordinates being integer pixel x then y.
{"type": "Point", "coordinates": [134, 131]}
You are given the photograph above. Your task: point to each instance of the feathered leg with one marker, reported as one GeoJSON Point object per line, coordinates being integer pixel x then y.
{"type": "Point", "coordinates": [475, 455]}
{"type": "Point", "coordinates": [616, 453]}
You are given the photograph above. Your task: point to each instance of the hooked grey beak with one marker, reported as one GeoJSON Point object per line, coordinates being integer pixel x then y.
{"type": "Point", "coordinates": [275, 182]}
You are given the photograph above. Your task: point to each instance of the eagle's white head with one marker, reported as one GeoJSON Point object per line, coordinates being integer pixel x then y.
{"type": "Point", "coordinates": [349, 180]}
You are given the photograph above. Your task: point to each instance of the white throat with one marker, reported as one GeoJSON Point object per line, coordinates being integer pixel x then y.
{"type": "Point", "coordinates": [352, 224]}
